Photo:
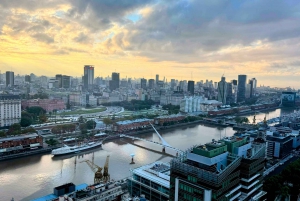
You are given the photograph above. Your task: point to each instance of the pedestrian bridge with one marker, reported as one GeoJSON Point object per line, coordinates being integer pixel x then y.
{"type": "Point", "coordinates": [163, 143]}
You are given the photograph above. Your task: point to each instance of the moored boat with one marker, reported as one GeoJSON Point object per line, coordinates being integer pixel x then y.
{"type": "Point", "coordinates": [75, 149]}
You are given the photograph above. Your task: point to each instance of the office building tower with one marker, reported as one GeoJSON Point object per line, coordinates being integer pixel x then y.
{"type": "Point", "coordinates": [143, 83]}
{"type": "Point", "coordinates": [66, 82]}
{"type": "Point", "coordinates": [88, 77]}
{"type": "Point", "coordinates": [151, 84]}
{"type": "Point", "coordinates": [115, 81]}
{"type": "Point", "coordinates": [152, 181]}
{"type": "Point", "coordinates": [58, 77]}
{"type": "Point", "coordinates": [222, 91]}
{"type": "Point", "coordinates": [234, 82]}
{"type": "Point", "coordinates": [123, 83]}
{"type": "Point", "coordinates": [156, 78]}
{"type": "Point", "coordinates": [230, 95]}
{"type": "Point", "coordinates": [191, 85]}
{"type": "Point", "coordinates": [253, 83]}
{"type": "Point", "coordinates": [173, 84]}
{"type": "Point", "coordinates": [129, 83]}
{"type": "Point", "coordinates": [241, 93]}
{"type": "Point", "coordinates": [10, 110]}
{"type": "Point", "coordinates": [228, 169]}
{"type": "Point", "coordinates": [27, 78]}
{"type": "Point", "coordinates": [10, 78]}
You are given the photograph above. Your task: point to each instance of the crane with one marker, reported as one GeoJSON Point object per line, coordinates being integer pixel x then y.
{"type": "Point", "coordinates": [106, 175]}
{"type": "Point", "coordinates": [96, 169]}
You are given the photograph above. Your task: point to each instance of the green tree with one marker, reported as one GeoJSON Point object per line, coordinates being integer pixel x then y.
{"type": "Point", "coordinates": [2, 134]}
{"type": "Point", "coordinates": [36, 110]}
{"type": "Point", "coordinates": [14, 129]}
{"type": "Point", "coordinates": [90, 124]}
{"type": "Point", "coordinates": [107, 121]}
{"type": "Point", "coordinates": [81, 119]}
{"type": "Point", "coordinates": [52, 142]}
{"type": "Point", "coordinates": [25, 121]}
{"type": "Point", "coordinates": [43, 118]}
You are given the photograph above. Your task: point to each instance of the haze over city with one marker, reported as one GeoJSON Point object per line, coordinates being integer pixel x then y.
{"type": "Point", "coordinates": [140, 38]}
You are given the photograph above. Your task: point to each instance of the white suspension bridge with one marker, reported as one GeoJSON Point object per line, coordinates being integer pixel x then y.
{"type": "Point", "coordinates": [163, 142]}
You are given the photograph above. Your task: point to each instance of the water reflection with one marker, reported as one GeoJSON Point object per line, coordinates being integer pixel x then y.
{"type": "Point", "coordinates": [36, 176]}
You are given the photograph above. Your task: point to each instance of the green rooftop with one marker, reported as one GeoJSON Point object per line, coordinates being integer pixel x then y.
{"type": "Point", "coordinates": [210, 150]}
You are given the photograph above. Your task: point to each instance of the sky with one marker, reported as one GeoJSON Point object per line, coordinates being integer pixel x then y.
{"type": "Point", "coordinates": [180, 39]}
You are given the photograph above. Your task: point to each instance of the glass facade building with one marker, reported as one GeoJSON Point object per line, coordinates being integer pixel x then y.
{"type": "Point", "coordinates": [152, 181]}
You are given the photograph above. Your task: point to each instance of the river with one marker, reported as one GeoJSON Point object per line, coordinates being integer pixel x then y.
{"type": "Point", "coordinates": [35, 176]}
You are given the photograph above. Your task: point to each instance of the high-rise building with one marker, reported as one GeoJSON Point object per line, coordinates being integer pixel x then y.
{"type": "Point", "coordinates": [173, 84]}
{"type": "Point", "coordinates": [88, 77]}
{"type": "Point", "coordinates": [151, 83]}
{"type": "Point", "coordinates": [191, 85]}
{"type": "Point", "coordinates": [156, 78]}
{"type": "Point", "coordinates": [66, 82]}
{"type": "Point", "coordinates": [143, 83]}
{"type": "Point", "coordinates": [222, 90]}
{"type": "Point", "coordinates": [27, 78]}
{"type": "Point", "coordinates": [253, 83]}
{"type": "Point", "coordinates": [241, 93]}
{"type": "Point", "coordinates": [10, 78]}
{"type": "Point", "coordinates": [114, 83]}
{"type": "Point", "coordinates": [228, 169]}
{"type": "Point", "coordinates": [58, 77]}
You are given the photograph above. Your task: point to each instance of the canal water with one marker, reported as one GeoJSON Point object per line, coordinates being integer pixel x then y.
{"type": "Point", "coordinates": [35, 176]}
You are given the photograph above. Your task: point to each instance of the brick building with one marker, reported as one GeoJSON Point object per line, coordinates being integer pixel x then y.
{"type": "Point", "coordinates": [127, 125]}
{"type": "Point", "coordinates": [20, 143]}
{"type": "Point", "coordinates": [47, 104]}
{"type": "Point", "coordinates": [168, 118]}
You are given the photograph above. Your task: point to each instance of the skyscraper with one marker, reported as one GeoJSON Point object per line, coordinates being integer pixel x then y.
{"type": "Point", "coordinates": [241, 93]}
{"type": "Point", "coordinates": [88, 77]}
{"type": "Point", "coordinates": [156, 78]}
{"type": "Point", "coordinates": [66, 82]}
{"type": "Point", "coordinates": [191, 85]}
{"type": "Point", "coordinates": [222, 90]}
{"type": "Point", "coordinates": [10, 78]}
{"type": "Point", "coordinates": [115, 81]}
{"type": "Point", "coordinates": [143, 83]}
{"type": "Point", "coordinates": [58, 77]}
{"type": "Point", "coordinates": [27, 78]}
{"type": "Point", "coordinates": [151, 83]}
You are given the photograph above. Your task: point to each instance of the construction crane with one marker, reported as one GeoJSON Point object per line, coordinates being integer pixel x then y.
{"type": "Point", "coordinates": [106, 175]}
{"type": "Point", "coordinates": [97, 170]}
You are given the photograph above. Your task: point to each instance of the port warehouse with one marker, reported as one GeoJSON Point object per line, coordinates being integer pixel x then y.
{"type": "Point", "coordinates": [242, 109]}
{"type": "Point", "coordinates": [20, 143]}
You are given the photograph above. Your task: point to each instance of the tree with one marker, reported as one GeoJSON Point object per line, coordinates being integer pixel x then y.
{"type": "Point", "coordinates": [81, 119]}
{"type": "Point", "coordinates": [107, 121]}
{"type": "Point", "coordinates": [90, 124]}
{"type": "Point", "coordinates": [43, 118]}
{"type": "Point", "coordinates": [52, 142]}
{"type": "Point", "coordinates": [36, 110]}
{"type": "Point", "coordinates": [14, 129]}
{"type": "Point", "coordinates": [2, 134]}
{"type": "Point", "coordinates": [25, 121]}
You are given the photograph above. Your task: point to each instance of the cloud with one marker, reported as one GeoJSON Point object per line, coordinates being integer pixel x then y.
{"type": "Point", "coordinates": [43, 38]}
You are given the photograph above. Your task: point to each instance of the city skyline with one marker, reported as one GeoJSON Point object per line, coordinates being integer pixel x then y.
{"type": "Point", "coordinates": [128, 37]}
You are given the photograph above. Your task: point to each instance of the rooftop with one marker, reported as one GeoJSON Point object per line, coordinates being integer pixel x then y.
{"type": "Point", "coordinates": [19, 137]}
{"type": "Point", "coordinates": [157, 172]}
{"type": "Point", "coordinates": [52, 196]}
{"type": "Point", "coordinates": [132, 121]}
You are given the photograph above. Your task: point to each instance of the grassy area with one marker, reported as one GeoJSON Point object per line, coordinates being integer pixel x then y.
{"type": "Point", "coordinates": [84, 111]}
